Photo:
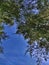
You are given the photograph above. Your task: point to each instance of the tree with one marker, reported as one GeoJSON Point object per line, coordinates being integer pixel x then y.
{"type": "Point", "coordinates": [33, 26]}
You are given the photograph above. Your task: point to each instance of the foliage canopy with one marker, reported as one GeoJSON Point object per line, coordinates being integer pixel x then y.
{"type": "Point", "coordinates": [34, 26]}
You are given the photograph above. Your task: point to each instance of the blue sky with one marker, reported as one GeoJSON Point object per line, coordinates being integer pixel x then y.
{"type": "Point", "coordinates": [14, 49]}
